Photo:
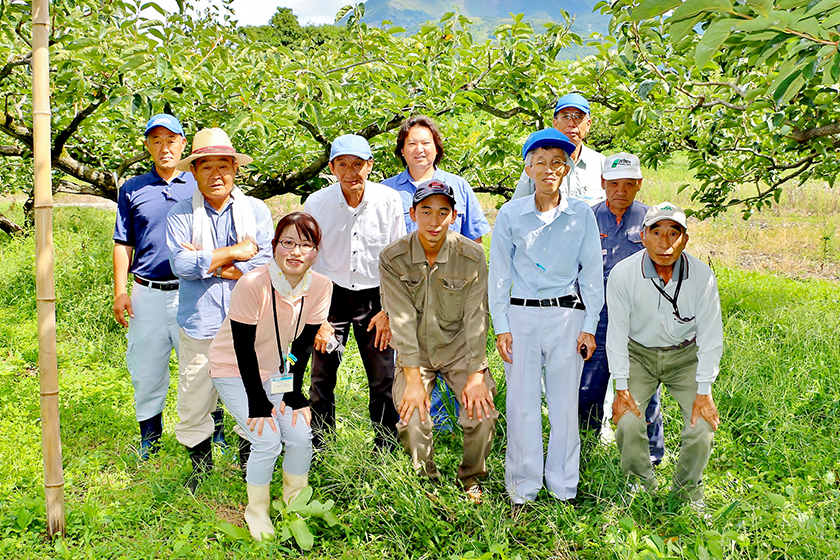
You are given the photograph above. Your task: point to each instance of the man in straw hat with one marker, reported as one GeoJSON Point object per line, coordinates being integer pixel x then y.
{"type": "Point", "coordinates": [665, 328]}
{"type": "Point", "coordinates": [543, 246]}
{"type": "Point", "coordinates": [214, 238]}
{"type": "Point", "coordinates": [140, 249]}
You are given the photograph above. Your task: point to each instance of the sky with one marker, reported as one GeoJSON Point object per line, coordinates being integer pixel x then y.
{"type": "Point", "coordinates": [258, 12]}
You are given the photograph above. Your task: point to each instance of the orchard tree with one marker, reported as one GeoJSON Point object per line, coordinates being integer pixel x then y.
{"type": "Point", "coordinates": [748, 88]}
{"type": "Point", "coordinates": [112, 69]}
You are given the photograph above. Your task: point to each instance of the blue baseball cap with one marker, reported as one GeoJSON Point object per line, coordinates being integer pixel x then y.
{"type": "Point", "coordinates": [575, 100]}
{"type": "Point", "coordinates": [168, 122]}
{"type": "Point", "coordinates": [350, 145]}
{"type": "Point", "coordinates": [548, 137]}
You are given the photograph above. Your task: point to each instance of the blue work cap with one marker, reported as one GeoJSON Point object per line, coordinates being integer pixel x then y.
{"type": "Point", "coordinates": [575, 100]}
{"type": "Point", "coordinates": [548, 138]}
{"type": "Point", "coordinates": [168, 122]}
{"type": "Point", "coordinates": [350, 145]}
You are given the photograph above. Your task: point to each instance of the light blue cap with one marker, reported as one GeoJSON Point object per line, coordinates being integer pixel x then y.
{"type": "Point", "coordinates": [350, 145]}
{"type": "Point", "coordinates": [546, 138]}
{"type": "Point", "coordinates": [168, 122]}
{"type": "Point", "coordinates": [575, 100]}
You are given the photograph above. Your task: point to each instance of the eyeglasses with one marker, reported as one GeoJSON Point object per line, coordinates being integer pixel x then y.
{"type": "Point", "coordinates": [577, 118]}
{"type": "Point", "coordinates": [553, 165]}
{"type": "Point", "coordinates": [306, 247]}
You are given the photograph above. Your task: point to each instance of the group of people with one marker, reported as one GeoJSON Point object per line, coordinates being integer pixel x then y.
{"type": "Point", "coordinates": [247, 306]}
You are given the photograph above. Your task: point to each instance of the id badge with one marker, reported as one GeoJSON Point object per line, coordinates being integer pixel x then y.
{"type": "Point", "coordinates": [281, 382]}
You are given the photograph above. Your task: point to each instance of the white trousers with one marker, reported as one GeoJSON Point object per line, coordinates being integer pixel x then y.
{"type": "Point", "coordinates": [543, 338]}
{"type": "Point", "coordinates": [152, 335]}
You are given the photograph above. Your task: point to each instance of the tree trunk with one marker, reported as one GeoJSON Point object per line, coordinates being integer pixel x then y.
{"type": "Point", "coordinates": [9, 226]}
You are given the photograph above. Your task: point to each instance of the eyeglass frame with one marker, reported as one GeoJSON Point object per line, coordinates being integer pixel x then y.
{"type": "Point", "coordinates": [576, 118]}
{"type": "Point", "coordinates": [303, 249]}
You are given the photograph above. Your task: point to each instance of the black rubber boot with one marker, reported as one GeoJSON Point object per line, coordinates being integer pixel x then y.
{"type": "Point", "coordinates": [219, 428]}
{"type": "Point", "coordinates": [150, 432]}
{"type": "Point", "coordinates": [202, 463]}
{"type": "Point", "coordinates": [244, 454]}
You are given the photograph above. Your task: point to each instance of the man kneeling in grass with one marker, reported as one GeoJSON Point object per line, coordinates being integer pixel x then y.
{"type": "Point", "coordinates": [434, 290]}
{"type": "Point", "coordinates": [665, 328]}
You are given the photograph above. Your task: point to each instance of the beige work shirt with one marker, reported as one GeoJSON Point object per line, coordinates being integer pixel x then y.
{"type": "Point", "coordinates": [438, 313]}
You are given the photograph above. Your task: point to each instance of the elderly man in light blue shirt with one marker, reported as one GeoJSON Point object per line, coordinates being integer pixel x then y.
{"type": "Point", "coordinates": [214, 238]}
{"type": "Point", "coordinates": [542, 246]}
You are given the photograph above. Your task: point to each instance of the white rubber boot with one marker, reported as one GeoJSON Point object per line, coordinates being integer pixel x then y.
{"type": "Point", "coordinates": [256, 512]}
{"type": "Point", "coordinates": [293, 485]}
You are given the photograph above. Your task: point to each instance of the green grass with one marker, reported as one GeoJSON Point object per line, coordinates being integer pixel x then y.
{"type": "Point", "coordinates": [772, 483]}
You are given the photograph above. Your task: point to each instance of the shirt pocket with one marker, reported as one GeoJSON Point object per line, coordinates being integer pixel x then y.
{"type": "Point", "coordinates": [451, 299]}
{"type": "Point", "coordinates": [414, 286]}
{"type": "Point", "coordinates": [635, 235]}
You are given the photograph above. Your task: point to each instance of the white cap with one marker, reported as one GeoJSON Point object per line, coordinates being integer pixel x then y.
{"type": "Point", "coordinates": [621, 166]}
{"type": "Point", "coordinates": [665, 211]}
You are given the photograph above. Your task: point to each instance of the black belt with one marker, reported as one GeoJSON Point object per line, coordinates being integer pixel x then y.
{"type": "Point", "coordinates": [162, 286]}
{"type": "Point", "coordinates": [567, 301]}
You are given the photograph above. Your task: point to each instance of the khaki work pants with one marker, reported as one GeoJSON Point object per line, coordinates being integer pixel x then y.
{"type": "Point", "coordinates": [676, 369]}
{"type": "Point", "coordinates": [417, 438]}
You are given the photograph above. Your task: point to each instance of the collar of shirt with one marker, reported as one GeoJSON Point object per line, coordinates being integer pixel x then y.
{"type": "Point", "coordinates": [531, 207]}
{"type": "Point", "coordinates": [649, 269]}
{"type": "Point", "coordinates": [418, 253]}
{"type": "Point", "coordinates": [342, 202]}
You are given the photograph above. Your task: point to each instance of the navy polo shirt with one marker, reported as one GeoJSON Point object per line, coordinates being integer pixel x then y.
{"type": "Point", "coordinates": [621, 239]}
{"type": "Point", "coordinates": [142, 206]}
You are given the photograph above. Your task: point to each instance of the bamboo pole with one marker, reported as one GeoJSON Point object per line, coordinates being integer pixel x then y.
{"type": "Point", "coordinates": [44, 260]}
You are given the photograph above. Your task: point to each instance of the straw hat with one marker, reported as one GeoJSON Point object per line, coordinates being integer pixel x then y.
{"type": "Point", "coordinates": [212, 142]}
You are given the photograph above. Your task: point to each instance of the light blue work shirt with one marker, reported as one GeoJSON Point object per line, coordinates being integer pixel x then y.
{"type": "Point", "coordinates": [204, 298]}
{"type": "Point", "coordinates": [619, 239]}
{"type": "Point", "coordinates": [531, 259]}
{"type": "Point", "coordinates": [470, 221]}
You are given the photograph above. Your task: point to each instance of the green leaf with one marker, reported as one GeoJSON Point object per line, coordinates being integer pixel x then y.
{"type": "Point", "coordinates": [763, 7]}
{"type": "Point", "coordinates": [653, 8]}
{"type": "Point", "coordinates": [302, 499]}
{"type": "Point", "coordinates": [447, 16]}
{"type": "Point", "coordinates": [646, 87]}
{"type": "Point", "coordinates": [832, 21]}
{"type": "Point", "coordinates": [777, 500]}
{"type": "Point", "coordinates": [342, 12]}
{"type": "Point", "coordinates": [679, 29]}
{"type": "Point", "coordinates": [713, 38]}
{"type": "Point", "coordinates": [233, 531]}
{"type": "Point", "coordinates": [691, 8]}
{"type": "Point", "coordinates": [823, 6]}
{"type": "Point", "coordinates": [133, 63]}
{"type": "Point", "coordinates": [300, 531]}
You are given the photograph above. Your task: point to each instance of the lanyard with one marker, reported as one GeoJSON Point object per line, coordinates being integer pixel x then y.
{"type": "Point", "coordinates": [277, 327]}
{"type": "Point", "coordinates": [673, 300]}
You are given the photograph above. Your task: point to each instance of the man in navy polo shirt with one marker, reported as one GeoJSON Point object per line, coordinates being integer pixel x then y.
{"type": "Point", "coordinates": [140, 249]}
{"type": "Point", "coordinates": [620, 220]}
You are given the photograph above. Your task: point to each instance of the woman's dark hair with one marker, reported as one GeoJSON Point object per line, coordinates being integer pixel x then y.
{"type": "Point", "coordinates": [305, 225]}
{"type": "Point", "coordinates": [426, 122]}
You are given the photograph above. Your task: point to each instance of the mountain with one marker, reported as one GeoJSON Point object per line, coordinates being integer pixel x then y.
{"type": "Point", "coordinates": [486, 14]}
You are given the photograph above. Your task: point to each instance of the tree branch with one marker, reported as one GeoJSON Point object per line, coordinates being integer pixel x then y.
{"type": "Point", "coordinates": [12, 151]}
{"type": "Point", "coordinates": [774, 164]}
{"type": "Point", "coordinates": [103, 182]}
{"type": "Point", "coordinates": [9, 226]}
{"type": "Point", "coordinates": [505, 114]}
{"type": "Point", "coordinates": [313, 130]}
{"type": "Point", "coordinates": [733, 87]}
{"type": "Point", "coordinates": [71, 129]}
{"type": "Point", "coordinates": [819, 132]}
{"type": "Point", "coordinates": [349, 66]}
{"type": "Point", "coordinates": [7, 69]}
{"type": "Point", "coordinates": [121, 168]}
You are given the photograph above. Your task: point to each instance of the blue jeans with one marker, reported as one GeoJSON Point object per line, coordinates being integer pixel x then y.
{"type": "Point", "coordinates": [266, 448]}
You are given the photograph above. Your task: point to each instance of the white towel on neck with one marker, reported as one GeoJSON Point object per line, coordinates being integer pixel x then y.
{"type": "Point", "coordinates": [281, 284]}
{"type": "Point", "coordinates": [244, 221]}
